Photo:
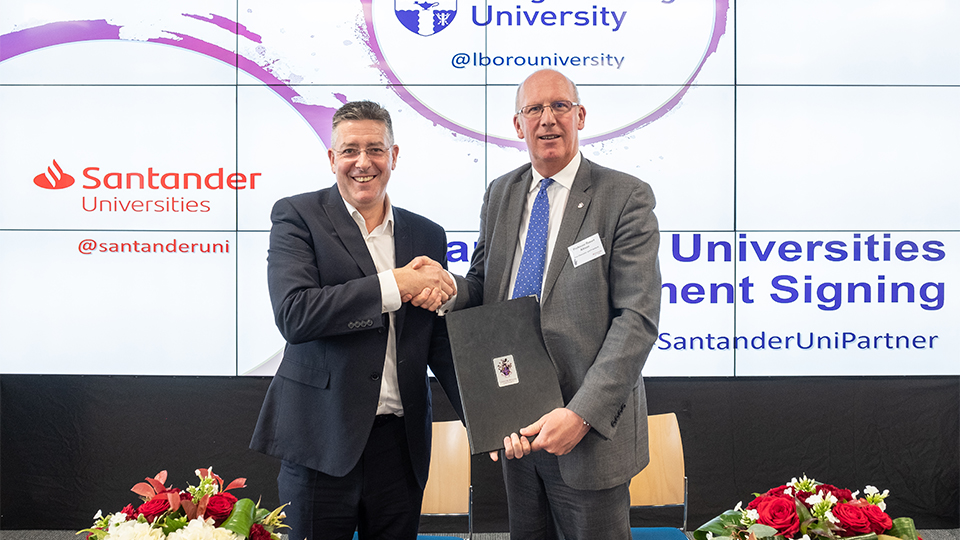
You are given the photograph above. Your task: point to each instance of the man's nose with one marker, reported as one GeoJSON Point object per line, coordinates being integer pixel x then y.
{"type": "Point", "coordinates": [363, 161]}
{"type": "Point", "coordinates": [546, 120]}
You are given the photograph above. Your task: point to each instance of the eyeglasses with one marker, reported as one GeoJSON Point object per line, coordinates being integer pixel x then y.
{"type": "Point", "coordinates": [559, 108]}
{"type": "Point", "coordinates": [374, 152]}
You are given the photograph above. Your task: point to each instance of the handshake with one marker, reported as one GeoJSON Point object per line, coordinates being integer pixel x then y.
{"type": "Point", "coordinates": [424, 283]}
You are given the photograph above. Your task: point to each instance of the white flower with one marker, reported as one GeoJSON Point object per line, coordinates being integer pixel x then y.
{"type": "Point", "coordinates": [788, 492]}
{"type": "Point", "coordinates": [753, 515]}
{"type": "Point", "coordinates": [882, 506]}
{"type": "Point", "coordinates": [199, 529]}
{"type": "Point", "coordinates": [118, 518]}
{"type": "Point", "coordinates": [134, 530]}
{"type": "Point", "coordinates": [805, 537]}
{"type": "Point", "coordinates": [870, 490]}
{"type": "Point", "coordinates": [738, 507]}
{"type": "Point", "coordinates": [815, 499]}
{"type": "Point", "coordinates": [98, 515]}
{"type": "Point", "coordinates": [709, 535]}
{"type": "Point", "coordinates": [833, 519]}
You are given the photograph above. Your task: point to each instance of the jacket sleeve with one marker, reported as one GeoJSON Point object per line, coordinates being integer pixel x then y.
{"type": "Point", "coordinates": [316, 288]}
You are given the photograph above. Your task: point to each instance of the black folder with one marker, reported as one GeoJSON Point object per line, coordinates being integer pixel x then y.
{"type": "Point", "coordinates": [506, 378]}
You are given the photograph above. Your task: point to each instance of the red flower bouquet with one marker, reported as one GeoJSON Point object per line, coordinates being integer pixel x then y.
{"type": "Point", "coordinates": [198, 512]}
{"type": "Point", "coordinates": [809, 510]}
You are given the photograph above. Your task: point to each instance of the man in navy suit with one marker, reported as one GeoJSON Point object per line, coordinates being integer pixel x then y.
{"type": "Point", "coordinates": [349, 410]}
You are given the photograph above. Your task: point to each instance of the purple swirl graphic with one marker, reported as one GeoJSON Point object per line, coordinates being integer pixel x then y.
{"type": "Point", "coordinates": [318, 117]}
{"type": "Point", "coordinates": [719, 29]}
{"type": "Point", "coordinates": [59, 33]}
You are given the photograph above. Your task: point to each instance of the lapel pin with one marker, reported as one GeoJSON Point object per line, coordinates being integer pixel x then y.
{"type": "Point", "coordinates": [580, 205]}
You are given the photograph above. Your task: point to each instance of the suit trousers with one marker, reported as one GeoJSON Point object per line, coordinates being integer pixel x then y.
{"type": "Point", "coordinates": [380, 498]}
{"type": "Point", "coordinates": [543, 507]}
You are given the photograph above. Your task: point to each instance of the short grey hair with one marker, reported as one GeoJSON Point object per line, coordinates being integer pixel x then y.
{"type": "Point", "coordinates": [362, 110]}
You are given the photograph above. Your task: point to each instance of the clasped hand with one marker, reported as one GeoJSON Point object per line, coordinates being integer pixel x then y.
{"type": "Point", "coordinates": [557, 432]}
{"type": "Point", "coordinates": [424, 283]}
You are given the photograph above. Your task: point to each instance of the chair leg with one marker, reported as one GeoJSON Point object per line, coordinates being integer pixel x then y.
{"type": "Point", "coordinates": [684, 529]}
{"type": "Point", "coordinates": [470, 514]}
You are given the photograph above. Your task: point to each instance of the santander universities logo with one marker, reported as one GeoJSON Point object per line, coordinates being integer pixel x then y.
{"type": "Point", "coordinates": [54, 180]}
{"type": "Point", "coordinates": [150, 190]}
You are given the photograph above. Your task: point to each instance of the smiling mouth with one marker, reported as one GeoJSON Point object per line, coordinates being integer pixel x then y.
{"type": "Point", "coordinates": [363, 179]}
{"type": "Point", "coordinates": [549, 137]}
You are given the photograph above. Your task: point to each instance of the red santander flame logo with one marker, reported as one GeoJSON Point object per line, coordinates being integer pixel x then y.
{"type": "Point", "coordinates": [54, 180]}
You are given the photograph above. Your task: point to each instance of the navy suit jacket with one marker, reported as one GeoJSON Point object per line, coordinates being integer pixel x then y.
{"type": "Point", "coordinates": [320, 407]}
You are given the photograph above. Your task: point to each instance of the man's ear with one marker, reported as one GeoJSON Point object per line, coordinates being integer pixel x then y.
{"type": "Point", "coordinates": [518, 126]}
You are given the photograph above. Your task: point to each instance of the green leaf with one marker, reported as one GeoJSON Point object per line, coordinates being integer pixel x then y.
{"type": "Point", "coordinates": [260, 514]}
{"type": "Point", "coordinates": [717, 525]}
{"type": "Point", "coordinates": [173, 524]}
{"type": "Point", "coordinates": [762, 531]}
{"type": "Point", "coordinates": [904, 529]}
{"type": "Point", "coordinates": [96, 534]}
{"type": "Point", "coordinates": [870, 536]}
{"type": "Point", "coordinates": [242, 518]}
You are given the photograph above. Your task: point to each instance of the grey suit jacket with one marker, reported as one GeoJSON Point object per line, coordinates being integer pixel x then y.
{"type": "Point", "coordinates": [321, 405]}
{"type": "Point", "coordinates": [599, 320]}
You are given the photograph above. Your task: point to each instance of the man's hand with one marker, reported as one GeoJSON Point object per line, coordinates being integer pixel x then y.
{"type": "Point", "coordinates": [557, 432]}
{"type": "Point", "coordinates": [514, 447]}
{"type": "Point", "coordinates": [426, 281]}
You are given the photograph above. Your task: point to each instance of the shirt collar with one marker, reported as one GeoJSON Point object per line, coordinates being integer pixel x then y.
{"type": "Point", "coordinates": [384, 228]}
{"type": "Point", "coordinates": [565, 177]}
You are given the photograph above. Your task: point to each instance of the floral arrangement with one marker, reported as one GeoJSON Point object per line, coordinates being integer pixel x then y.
{"type": "Point", "coordinates": [809, 510]}
{"type": "Point", "coordinates": [201, 512]}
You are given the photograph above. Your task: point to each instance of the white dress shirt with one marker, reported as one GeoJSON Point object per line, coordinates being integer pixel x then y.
{"type": "Point", "coordinates": [557, 193]}
{"type": "Point", "coordinates": [379, 243]}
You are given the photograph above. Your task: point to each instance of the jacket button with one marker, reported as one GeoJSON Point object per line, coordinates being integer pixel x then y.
{"type": "Point", "coordinates": [375, 377]}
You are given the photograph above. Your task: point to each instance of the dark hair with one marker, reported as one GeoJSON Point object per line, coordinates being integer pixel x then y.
{"type": "Point", "coordinates": [362, 110]}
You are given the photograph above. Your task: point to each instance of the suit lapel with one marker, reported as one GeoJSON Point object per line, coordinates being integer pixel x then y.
{"type": "Point", "coordinates": [578, 202]}
{"type": "Point", "coordinates": [506, 236]}
{"type": "Point", "coordinates": [403, 253]}
{"type": "Point", "coordinates": [348, 231]}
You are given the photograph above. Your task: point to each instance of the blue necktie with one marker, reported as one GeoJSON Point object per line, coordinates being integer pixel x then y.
{"type": "Point", "coordinates": [530, 274]}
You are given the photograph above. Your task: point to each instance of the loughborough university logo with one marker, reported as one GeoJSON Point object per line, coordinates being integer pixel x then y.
{"type": "Point", "coordinates": [425, 18]}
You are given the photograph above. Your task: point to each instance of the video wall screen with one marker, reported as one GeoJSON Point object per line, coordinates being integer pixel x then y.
{"type": "Point", "coordinates": [803, 155]}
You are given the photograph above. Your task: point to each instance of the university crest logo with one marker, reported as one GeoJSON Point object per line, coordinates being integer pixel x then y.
{"type": "Point", "coordinates": [424, 17]}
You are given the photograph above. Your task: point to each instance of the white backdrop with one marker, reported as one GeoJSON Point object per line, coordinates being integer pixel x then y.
{"type": "Point", "coordinates": [803, 156]}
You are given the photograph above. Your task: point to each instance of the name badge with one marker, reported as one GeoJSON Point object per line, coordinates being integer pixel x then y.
{"type": "Point", "coordinates": [586, 250]}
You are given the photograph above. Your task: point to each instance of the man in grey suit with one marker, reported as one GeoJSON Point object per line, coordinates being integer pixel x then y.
{"type": "Point", "coordinates": [349, 409]}
{"type": "Point", "coordinates": [599, 288]}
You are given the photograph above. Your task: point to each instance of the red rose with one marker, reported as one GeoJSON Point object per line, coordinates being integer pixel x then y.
{"type": "Point", "coordinates": [219, 507]}
{"type": "Point", "coordinates": [153, 508]}
{"type": "Point", "coordinates": [842, 495]}
{"type": "Point", "coordinates": [779, 513]}
{"type": "Point", "coordinates": [257, 532]}
{"type": "Point", "coordinates": [880, 522]}
{"type": "Point", "coordinates": [782, 492]}
{"type": "Point", "coordinates": [794, 493]}
{"type": "Point", "coordinates": [852, 519]}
